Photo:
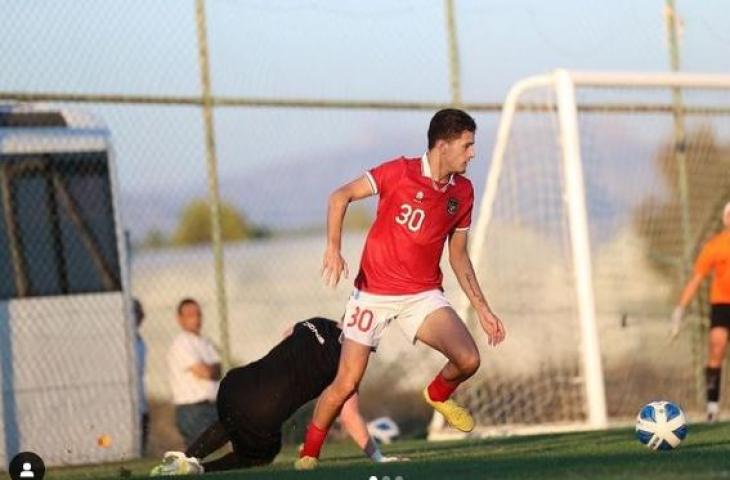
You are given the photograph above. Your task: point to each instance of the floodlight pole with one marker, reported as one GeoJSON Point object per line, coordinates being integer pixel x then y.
{"type": "Point", "coordinates": [680, 137]}
{"type": "Point", "coordinates": [213, 192]}
{"type": "Point", "coordinates": [454, 67]}
{"type": "Point", "coordinates": [680, 152]}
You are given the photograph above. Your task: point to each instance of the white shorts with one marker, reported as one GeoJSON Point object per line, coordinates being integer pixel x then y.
{"type": "Point", "coordinates": [368, 315]}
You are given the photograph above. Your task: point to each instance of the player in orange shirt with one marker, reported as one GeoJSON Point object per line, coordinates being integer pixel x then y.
{"type": "Point", "coordinates": [713, 259]}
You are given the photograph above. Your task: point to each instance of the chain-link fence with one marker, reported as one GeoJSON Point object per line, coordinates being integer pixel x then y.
{"type": "Point", "coordinates": [301, 98]}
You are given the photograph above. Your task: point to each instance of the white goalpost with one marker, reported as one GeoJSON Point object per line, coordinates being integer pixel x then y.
{"type": "Point", "coordinates": [601, 188]}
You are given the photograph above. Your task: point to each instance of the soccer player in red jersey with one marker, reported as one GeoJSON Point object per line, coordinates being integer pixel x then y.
{"type": "Point", "coordinates": [424, 203]}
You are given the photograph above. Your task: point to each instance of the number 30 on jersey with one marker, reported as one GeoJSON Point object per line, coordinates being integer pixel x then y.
{"type": "Point", "coordinates": [411, 217]}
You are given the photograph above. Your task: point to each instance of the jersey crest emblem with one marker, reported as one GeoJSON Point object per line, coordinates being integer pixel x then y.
{"type": "Point", "coordinates": [452, 206]}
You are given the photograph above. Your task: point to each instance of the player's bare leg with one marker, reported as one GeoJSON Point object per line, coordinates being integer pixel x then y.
{"type": "Point", "coordinates": [444, 331]}
{"type": "Point", "coordinates": [717, 346]}
{"type": "Point", "coordinates": [715, 355]}
{"type": "Point", "coordinates": [353, 362]}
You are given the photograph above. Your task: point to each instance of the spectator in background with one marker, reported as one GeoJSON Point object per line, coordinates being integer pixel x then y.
{"type": "Point", "coordinates": [140, 355]}
{"type": "Point", "coordinates": [195, 372]}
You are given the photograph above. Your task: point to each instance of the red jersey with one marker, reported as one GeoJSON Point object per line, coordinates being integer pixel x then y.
{"type": "Point", "coordinates": [415, 217]}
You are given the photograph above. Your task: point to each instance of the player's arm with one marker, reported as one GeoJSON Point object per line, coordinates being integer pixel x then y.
{"type": "Point", "coordinates": [690, 289]}
{"type": "Point", "coordinates": [703, 266]}
{"type": "Point", "coordinates": [333, 265]}
{"type": "Point", "coordinates": [688, 293]}
{"type": "Point", "coordinates": [206, 371]}
{"type": "Point", "coordinates": [354, 424]}
{"type": "Point", "coordinates": [287, 333]}
{"type": "Point", "coordinates": [183, 358]}
{"type": "Point", "coordinates": [464, 271]}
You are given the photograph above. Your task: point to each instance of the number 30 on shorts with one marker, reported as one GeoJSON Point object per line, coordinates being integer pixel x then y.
{"type": "Point", "coordinates": [363, 318]}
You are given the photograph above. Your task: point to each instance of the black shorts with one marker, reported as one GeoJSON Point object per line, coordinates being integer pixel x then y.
{"type": "Point", "coordinates": [252, 444]}
{"type": "Point", "coordinates": [253, 448]}
{"type": "Point", "coordinates": [720, 315]}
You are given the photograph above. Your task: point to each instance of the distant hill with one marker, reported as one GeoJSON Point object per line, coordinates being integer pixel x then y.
{"type": "Point", "coordinates": [291, 193]}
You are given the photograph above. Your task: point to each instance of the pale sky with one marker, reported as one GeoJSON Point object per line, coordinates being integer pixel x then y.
{"type": "Point", "coordinates": [344, 49]}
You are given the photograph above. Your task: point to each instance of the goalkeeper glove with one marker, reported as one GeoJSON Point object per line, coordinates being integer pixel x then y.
{"type": "Point", "coordinates": [676, 322]}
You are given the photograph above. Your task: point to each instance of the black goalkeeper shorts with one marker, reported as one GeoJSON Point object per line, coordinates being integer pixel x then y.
{"type": "Point", "coordinates": [720, 315]}
{"type": "Point", "coordinates": [253, 445]}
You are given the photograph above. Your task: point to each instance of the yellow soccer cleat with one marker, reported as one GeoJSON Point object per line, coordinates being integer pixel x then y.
{"type": "Point", "coordinates": [455, 415]}
{"type": "Point", "coordinates": [306, 463]}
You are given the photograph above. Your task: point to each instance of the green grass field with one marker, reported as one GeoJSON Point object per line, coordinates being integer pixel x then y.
{"type": "Point", "coordinates": [591, 455]}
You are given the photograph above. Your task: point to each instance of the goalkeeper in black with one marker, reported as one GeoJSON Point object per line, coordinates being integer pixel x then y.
{"type": "Point", "coordinates": [254, 401]}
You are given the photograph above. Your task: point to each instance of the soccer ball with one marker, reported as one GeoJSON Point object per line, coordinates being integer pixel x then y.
{"type": "Point", "coordinates": [383, 429]}
{"type": "Point", "coordinates": [661, 425]}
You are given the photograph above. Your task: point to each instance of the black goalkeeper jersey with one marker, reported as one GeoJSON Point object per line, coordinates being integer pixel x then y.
{"type": "Point", "coordinates": [263, 394]}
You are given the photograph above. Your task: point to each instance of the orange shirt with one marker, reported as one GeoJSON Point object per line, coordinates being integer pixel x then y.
{"type": "Point", "coordinates": [715, 258]}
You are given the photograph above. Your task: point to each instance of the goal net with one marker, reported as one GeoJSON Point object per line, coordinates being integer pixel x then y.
{"type": "Point", "coordinates": [601, 190]}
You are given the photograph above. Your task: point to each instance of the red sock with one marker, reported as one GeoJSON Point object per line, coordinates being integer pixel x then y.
{"type": "Point", "coordinates": [313, 441]}
{"type": "Point", "coordinates": [441, 389]}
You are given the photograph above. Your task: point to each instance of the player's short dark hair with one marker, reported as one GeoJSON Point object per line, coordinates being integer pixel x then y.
{"type": "Point", "coordinates": [448, 124]}
{"type": "Point", "coordinates": [186, 301]}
